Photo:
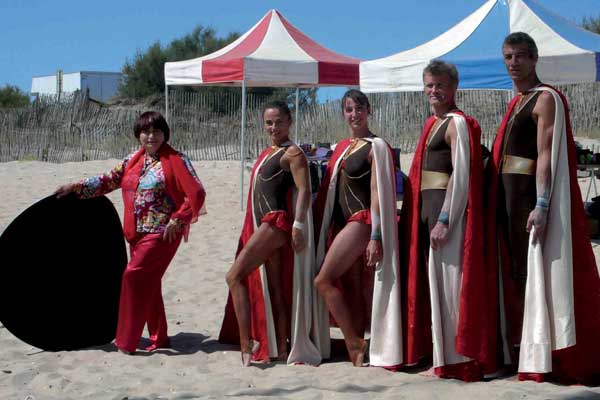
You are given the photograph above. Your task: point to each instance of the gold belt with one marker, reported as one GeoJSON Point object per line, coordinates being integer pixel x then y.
{"type": "Point", "coordinates": [518, 165]}
{"type": "Point", "coordinates": [434, 180]}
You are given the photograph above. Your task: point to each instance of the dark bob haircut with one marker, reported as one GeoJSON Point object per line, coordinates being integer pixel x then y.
{"type": "Point", "coordinates": [151, 120]}
{"type": "Point", "coordinates": [358, 97]}
{"type": "Point", "coordinates": [519, 38]}
{"type": "Point", "coordinates": [278, 105]}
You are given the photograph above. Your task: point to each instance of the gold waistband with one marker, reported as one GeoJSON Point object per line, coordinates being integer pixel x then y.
{"type": "Point", "coordinates": [434, 180]}
{"type": "Point", "coordinates": [518, 165]}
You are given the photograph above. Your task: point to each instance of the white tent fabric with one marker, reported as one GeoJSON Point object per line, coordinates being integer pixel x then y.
{"type": "Point", "coordinates": [568, 54]}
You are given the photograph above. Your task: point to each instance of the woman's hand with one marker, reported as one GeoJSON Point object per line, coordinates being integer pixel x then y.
{"type": "Point", "coordinates": [64, 190]}
{"type": "Point", "coordinates": [172, 230]}
{"type": "Point", "coordinates": [298, 243]}
{"type": "Point", "coordinates": [374, 253]}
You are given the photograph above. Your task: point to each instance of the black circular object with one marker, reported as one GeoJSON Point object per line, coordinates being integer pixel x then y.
{"type": "Point", "coordinates": [60, 276]}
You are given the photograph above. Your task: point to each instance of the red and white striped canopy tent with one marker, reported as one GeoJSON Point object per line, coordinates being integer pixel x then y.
{"type": "Point", "coordinates": [272, 53]}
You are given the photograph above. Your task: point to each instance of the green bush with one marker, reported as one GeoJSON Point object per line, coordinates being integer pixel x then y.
{"type": "Point", "coordinates": [13, 97]}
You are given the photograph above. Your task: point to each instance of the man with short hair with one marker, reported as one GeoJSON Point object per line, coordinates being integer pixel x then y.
{"type": "Point", "coordinates": [443, 228]}
{"type": "Point", "coordinates": [538, 234]}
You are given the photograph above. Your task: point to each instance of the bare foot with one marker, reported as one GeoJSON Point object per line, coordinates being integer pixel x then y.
{"type": "Point", "coordinates": [248, 352]}
{"type": "Point", "coordinates": [282, 353]}
{"type": "Point", "coordinates": [430, 372]}
{"type": "Point", "coordinates": [283, 356]}
{"type": "Point", "coordinates": [357, 352]}
{"type": "Point", "coordinates": [165, 344]}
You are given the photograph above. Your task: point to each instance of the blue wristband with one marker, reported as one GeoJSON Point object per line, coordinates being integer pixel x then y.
{"type": "Point", "coordinates": [376, 235]}
{"type": "Point", "coordinates": [444, 218]}
{"type": "Point", "coordinates": [542, 202]}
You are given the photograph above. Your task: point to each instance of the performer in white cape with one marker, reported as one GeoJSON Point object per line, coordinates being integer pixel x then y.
{"type": "Point", "coordinates": [550, 289]}
{"type": "Point", "coordinates": [270, 280]}
{"type": "Point", "coordinates": [357, 247]}
{"type": "Point", "coordinates": [443, 223]}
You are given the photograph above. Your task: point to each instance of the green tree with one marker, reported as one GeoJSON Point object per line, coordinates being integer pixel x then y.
{"type": "Point", "coordinates": [12, 96]}
{"type": "Point", "coordinates": [144, 75]}
{"type": "Point", "coordinates": [591, 24]}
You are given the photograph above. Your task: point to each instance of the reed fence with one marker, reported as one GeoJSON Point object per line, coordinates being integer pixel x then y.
{"type": "Point", "coordinates": [75, 128]}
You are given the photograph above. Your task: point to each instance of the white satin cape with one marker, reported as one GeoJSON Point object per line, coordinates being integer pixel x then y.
{"type": "Point", "coordinates": [386, 323]}
{"type": "Point", "coordinates": [445, 263]}
{"type": "Point", "coordinates": [549, 316]}
{"type": "Point", "coordinates": [303, 350]}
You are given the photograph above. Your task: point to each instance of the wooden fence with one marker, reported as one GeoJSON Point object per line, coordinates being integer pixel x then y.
{"type": "Point", "coordinates": [74, 128]}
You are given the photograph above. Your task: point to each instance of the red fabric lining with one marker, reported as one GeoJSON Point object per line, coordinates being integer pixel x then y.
{"type": "Point", "coordinates": [469, 371]}
{"type": "Point", "coordinates": [493, 241]}
{"type": "Point", "coordinates": [416, 310]}
{"type": "Point", "coordinates": [279, 219]}
{"type": "Point", "coordinates": [362, 216]}
{"type": "Point", "coordinates": [539, 378]}
{"type": "Point", "coordinates": [319, 203]}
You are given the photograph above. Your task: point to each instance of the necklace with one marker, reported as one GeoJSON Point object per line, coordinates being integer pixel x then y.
{"type": "Point", "coordinates": [284, 144]}
{"type": "Point", "coordinates": [356, 144]}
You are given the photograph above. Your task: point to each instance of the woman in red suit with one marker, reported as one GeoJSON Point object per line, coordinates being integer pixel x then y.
{"type": "Point", "coordinates": [162, 196]}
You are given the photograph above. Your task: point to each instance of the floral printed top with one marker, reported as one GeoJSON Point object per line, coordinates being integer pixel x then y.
{"type": "Point", "coordinates": [152, 206]}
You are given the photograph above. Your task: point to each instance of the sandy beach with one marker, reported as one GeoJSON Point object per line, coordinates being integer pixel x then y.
{"type": "Point", "coordinates": [194, 290]}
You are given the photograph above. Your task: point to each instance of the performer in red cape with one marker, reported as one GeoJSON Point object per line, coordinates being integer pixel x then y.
{"type": "Point", "coordinates": [356, 214]}
{"type": "Point", "coordinates": [550, 289]}
{"type": "Point", "coordinates": [270, 280]}
{"type": "Point", "coordinates": [162, 196]}
{"type": "Point", "coordinates": [442, 221]}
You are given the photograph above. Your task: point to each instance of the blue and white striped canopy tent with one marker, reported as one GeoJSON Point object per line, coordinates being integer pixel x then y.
{"type": "Point", "coordinates": [567, 53]}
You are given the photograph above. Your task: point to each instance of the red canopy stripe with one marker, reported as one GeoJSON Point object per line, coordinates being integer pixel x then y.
{"type": "Point", "coordinates": [334, 68]}
{"type": "Point", "coordinates": [230, 66]}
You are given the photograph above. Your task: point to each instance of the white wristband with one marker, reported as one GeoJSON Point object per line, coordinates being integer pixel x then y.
{"type": "Point", "coordinates": [298, 225]}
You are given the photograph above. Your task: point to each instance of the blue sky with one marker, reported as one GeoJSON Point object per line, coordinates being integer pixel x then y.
{"type": "Point", "coordinates": [38, 37]}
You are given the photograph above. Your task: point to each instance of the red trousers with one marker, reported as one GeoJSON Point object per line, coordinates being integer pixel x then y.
{"type": "Point", "coordinates": [141, 295]}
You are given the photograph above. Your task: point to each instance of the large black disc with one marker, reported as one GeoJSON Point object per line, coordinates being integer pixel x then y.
{"type": "Point", "coordinates": [60, 274]}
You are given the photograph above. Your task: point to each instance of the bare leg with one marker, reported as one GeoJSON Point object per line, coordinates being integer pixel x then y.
{"type": "Point", "coordinates": [347, 247]}
{"type": "Point", "coordinates": [275, 279]}
{"type": "Point", "coordinates": [264, 241]}
{"type": "Point", "coordinates": [352, 281]}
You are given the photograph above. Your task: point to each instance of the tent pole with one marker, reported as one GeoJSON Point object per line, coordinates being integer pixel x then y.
{"type": "Point", "coordinates": [242, 145]}
{"type": "Point", "coordinates": [297, 121]}
{"type": "Point", "coordinates": [167, 102]}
